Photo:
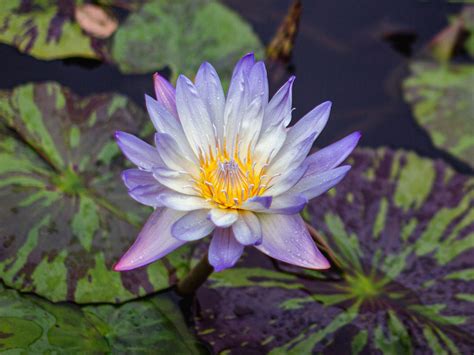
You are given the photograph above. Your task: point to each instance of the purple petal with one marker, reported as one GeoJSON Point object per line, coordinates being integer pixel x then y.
{"type": "Point", "coordinates": [153, 242]}
{"type": "Point", "coordinates": [257, 203]}
{"type": "Point", "coordinates": [299, 140]}
{"type": "Point", "coordinates": [137, 151]}
{"type": "Point", "coordinates": [136, 177]}
{"type": "Point", "coordinates": [165, 94]}
{"type": "Point", "coordinates": [313, 122]}
{"type": "Point", "coordinates": [223, 217]}
{"type": "Point", "coordinates": [332, 155]}
{"type": "Point", "coordinates": [210, 90]}
{"type": "Point", "coordinates": [286, 238]}
{"type": "Point", "coordinates": [313, 185]}
{"type": "Point", "coordinates": [181, 202]}
{"type": "Point", "coordinates": [287, 204]}
{"type": "Point", "coordinates": [242, 68]}
{"type": "Point", "coordinates": [194, 117]}
{"type": "Point", "coordinates": [247, 230]}
{"type": "Point", "coordinates": [279, 108]}
{"type": "Point", "coordinates": [290, 158]}
{"type": "Point", "coordinates": [148, 194]}
{"type": "Point", "coordinates": [224, 250]}
{"type": "Point", "coordinates": [258, 82]}
{"type": "Point", "coordinates": [286, 181]}
{"type": "Point", "coordinates": [236, 102]}
{"type": "Point", "coordinates": [164, 122]}
{"type": "Point", "coordinates": [192, 226]}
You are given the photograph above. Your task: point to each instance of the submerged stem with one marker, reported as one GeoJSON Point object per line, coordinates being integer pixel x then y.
{"type": "Point", "coordinates": [196, 277]}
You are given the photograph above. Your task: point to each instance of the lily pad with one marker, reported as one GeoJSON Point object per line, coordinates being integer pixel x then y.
{"type": "Point", "coordinates": [66, 215]}
{"type": "Point", "coordinates": [182, 34]}
{"type": "Point", "coordinates": [30, 324]}
{"type": "Point", "coordinates": [45, 30]}
{"type": "Point", "coordinates": [178, 34]}
{"type": "Point", "coordinates": [442, 100]}
{"type": "Point", "coordinates": [402, 230]}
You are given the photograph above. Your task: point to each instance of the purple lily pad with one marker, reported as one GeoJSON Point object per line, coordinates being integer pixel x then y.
{"type": "Point", "coordinates": [402, 230]}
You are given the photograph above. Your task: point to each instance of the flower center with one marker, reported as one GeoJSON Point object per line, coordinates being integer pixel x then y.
{"type": "Point", "coordinates": [228, 181]}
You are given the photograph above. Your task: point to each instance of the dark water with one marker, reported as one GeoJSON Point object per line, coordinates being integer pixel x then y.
{"type": "Point", "coordinates": [345, 52]}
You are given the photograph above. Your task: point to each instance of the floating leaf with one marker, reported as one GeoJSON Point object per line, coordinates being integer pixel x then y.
{"type": "Point", "coordinates": [30, 324]}
{"type": "Point", "coordinates": [45, 29]}
{"type": "Point", "coordinates": [442, 100]}
{"type": "Point", "coordinates": [66, 215]}
{"type": "Point", "coordinates": [402, 228]}
{"type": "Point", "coordinates": [181, 35]}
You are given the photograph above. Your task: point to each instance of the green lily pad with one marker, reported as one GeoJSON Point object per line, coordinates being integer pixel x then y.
{"type": "Point", "coordinates": [30, 324]}
{"type": "Point", "coordinates": [181, 35]}
{"type": "Point", "coordinates": [66, 216]}
{"type": "Point", "coordinates": [442, 100]}
{"type": "Point", "coordinates": [178, 34]}
{"type": "Point", "coordinates": [45, 30]}
{"type": "Point", "coordinates": [402, 230]}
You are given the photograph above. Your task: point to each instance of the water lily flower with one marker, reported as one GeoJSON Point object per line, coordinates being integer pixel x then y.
{"type": "Point", "coordinates": [229, 166]}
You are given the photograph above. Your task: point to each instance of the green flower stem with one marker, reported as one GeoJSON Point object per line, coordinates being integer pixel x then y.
{"type": "Point", "coordinates": [196, 277]}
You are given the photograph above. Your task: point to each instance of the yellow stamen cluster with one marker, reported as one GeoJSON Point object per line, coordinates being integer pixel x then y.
{"type": "Point", "coordinates": [228, 181]}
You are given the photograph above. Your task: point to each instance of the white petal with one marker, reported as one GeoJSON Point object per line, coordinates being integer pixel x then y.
{"type": "Point", "coordinates": [210, 90]}
{"type": "Point", "coordinates": [192, 226]}
{"type": "Point", "coordinates": [223, 217]}
{"type": "Point", "coordinates": [178, 181]}
{"type": "Point", "coordinates": [173, 156]}
{"type": "Point", "coordinates": [247, 228]}
{"type": "Point", "coordinates": [181, 202]}
{"type": "Point", "coordinates": [224, 250]}
{"type": "Point", "coordinates": [194, 117]}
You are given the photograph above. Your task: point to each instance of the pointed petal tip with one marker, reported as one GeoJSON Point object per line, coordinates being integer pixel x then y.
{"type": "Point", "coordinates": [327, 104]}
{"type": "Point", "coordinates": [121, 266]}
{"type": "Point", "coordinates": [321, 264]}
{"type": "Point", "coordinates": [118, 135]}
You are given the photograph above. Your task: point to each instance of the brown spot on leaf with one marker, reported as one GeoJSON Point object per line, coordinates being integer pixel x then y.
{"type": "Point", "coordinates": [95, 20]}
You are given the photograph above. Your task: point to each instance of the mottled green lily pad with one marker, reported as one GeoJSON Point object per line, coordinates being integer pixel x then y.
{"type": "Point", "coordinates": [66, 217]}
{"type": "Point", "coordinates": [181, 35]}
{"type": "Point", "coordinates": [30, 324]}
{"type": "Point", "coordinates": [45, 29]}
{"type": "Point", "coordinates": [178, 34]}
{"type": "Point", "coordinates": [402, 228]}
{"type": "Point", "coordinates": [442, 100]}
